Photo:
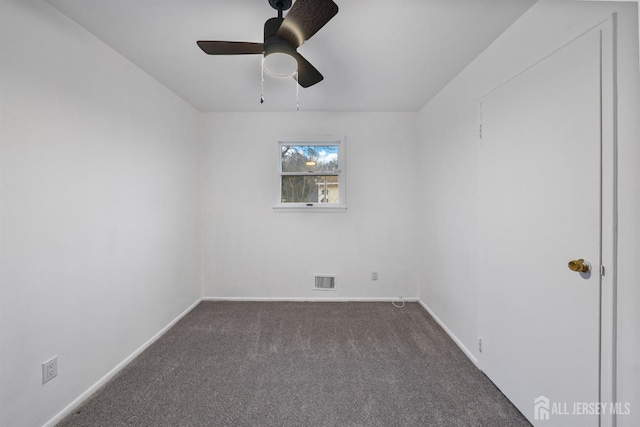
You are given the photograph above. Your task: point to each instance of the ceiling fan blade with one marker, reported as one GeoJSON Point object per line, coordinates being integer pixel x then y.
{"type": "Point", "coordinates": [305, 18]}
{"type": "Point", "coordinates": [307, 73]}
{"type": "Point", "coordinates": [230, 48]}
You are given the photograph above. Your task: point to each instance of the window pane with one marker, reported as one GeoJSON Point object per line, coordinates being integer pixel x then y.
{"type": "Point", "coordinates": [305, 158]}
{"type": "Point", "coordinates": [310, 189]}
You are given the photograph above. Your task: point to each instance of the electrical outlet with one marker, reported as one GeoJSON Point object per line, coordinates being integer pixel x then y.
{"type": "Point", "coordinates": [374, 275]}
{"type": "Point", "coordinates": [49, 369]}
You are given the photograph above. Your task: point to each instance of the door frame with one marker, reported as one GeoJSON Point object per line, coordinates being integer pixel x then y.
{"type": "Point", "coordinates": [608, 205]}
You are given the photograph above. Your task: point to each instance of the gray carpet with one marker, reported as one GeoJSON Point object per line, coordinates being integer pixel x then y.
{"type": "Point", "coordinates": [300, 364]}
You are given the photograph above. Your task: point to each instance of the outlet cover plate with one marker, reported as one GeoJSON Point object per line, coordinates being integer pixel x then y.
{"type": "Point", "coordinates": [49, 369]}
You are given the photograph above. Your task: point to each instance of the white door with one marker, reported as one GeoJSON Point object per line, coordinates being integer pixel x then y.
{"type": "Point", "coordinates": [539, 187]}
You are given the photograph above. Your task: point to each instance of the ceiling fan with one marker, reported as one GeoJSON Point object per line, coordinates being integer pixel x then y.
{"type": "Point", "coordinates": [282, 37]}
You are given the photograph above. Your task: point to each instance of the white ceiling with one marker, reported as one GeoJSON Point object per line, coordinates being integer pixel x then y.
{"type": "Point", "coordinates": [375, 55]}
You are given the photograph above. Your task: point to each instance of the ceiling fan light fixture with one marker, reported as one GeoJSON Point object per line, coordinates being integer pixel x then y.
{"type": "Point", "coordinates": [278, 64]}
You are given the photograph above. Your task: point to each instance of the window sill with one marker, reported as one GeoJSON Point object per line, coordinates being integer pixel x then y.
{"type": "Point", "coordinates": [310, 209]}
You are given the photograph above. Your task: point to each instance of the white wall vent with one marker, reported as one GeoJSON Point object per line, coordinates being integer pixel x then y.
{"type": "Point", "coordinates": [325, 283]}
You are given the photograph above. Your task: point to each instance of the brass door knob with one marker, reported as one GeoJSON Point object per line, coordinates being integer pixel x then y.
{"type": "Point", "coordinates": [579, 265]}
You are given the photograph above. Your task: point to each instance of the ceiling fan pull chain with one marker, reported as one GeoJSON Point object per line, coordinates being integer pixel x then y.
{"type": "Point", "coordinates": [297, 93]}
{"type": "Point", "coordinates": [262, 83]}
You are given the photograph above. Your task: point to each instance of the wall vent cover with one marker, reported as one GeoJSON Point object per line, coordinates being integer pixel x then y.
{"type": "Point", "coordinates": [325, 283]}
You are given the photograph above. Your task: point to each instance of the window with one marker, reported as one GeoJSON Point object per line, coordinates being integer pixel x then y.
{"type": "Point", "coordinates": [311, 174]}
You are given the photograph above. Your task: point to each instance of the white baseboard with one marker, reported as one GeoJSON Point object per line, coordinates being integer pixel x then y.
{"type": "Point", "coordinates": [78, 401]}
{"type": "Point", "coordinates": [312, 299]}
{"type": "Point", "coordinates": [455, 339]}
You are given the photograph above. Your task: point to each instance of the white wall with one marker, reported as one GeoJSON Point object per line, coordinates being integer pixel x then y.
{"type": "Point", "coordinates": [448, 133]}
{"type": "Point", "coordinates": [99, 244]}
{"type": "Point", "coordinates": [250, 251]}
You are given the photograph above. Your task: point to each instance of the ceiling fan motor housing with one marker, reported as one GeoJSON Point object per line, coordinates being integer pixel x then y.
{"type": "Point", "coordinates": [273, 43]}
{"type": "Point", "coordinates": [271, 27]}
{"type": "Point", "coordinates": [279, 53]}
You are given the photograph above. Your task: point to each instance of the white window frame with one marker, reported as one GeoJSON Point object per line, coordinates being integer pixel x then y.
{"type": "Point", "coordinates": [341, 206]}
